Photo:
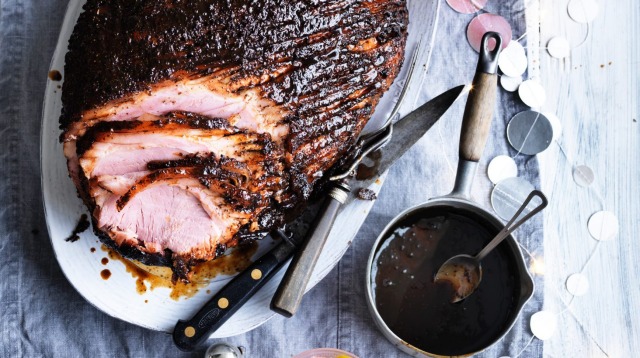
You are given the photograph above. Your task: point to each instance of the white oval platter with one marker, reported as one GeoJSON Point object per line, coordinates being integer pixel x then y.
{"type": "Point", "coordinates": [117, 296]}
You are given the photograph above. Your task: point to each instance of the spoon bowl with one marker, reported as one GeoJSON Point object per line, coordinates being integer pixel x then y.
{"type": "Point", "coordinates": [463, 272]}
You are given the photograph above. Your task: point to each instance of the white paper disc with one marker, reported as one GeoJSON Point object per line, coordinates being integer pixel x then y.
{"type": "Point", "coordinates": [583, 11]}
{"type": "Point", "coordinates": [577, 284]}
{"type": "Point", "coordinates": [555, 124]}
{"type": "Point", "coordinates": [558, 47]}
{"type": "Point", "coordinates": [583, 175]}
{"type": "Point", "coordinates": [510, 84]}
{"type": "Point", "coordinates": [501, 168]}
{"type": "Point", "coordinates": [603, 225]}
{"type": "Point", "coordinates": [543, 324]}
{"type": "Point", "coordinates": [513, 60]}
{"type": "Point", "coordinates": [509, 194]}
{"type": "Point", "coordinates": [532, 93]}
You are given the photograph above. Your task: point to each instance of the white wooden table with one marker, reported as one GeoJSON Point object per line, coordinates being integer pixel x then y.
{"type": "Point", "coordinates": [595, 93]}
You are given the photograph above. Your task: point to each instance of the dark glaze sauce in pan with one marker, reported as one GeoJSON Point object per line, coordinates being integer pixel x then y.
{"type": "Point", "coordinates": [419, 311]}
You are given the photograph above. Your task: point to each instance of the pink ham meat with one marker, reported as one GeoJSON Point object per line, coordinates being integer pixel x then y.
{"type": "Point", "coordinates": [192, 126]}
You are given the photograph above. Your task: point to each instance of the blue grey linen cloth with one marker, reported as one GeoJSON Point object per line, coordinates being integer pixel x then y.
{"type": "Point", "coordinates": [42, 314]}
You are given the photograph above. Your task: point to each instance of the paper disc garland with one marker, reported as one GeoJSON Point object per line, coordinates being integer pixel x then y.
{"type": "Point", "coordinates": [532, 93]}
{"type": "Point", "coordinates": [513, 60]}
{"type": "Point", "coordinates": [510, 84]}
{"type": "Point", "coordinates": [558, 47]}
{"type": "Point", "coordinates": [555, 124]}
{"type": "Point", "coordinates": [501, 168]}
{"type": "Point", "coordinates": [508, 195]}
{"type": "Point", "coordinates": [583, 11]}
{"type": "Point", "coordinates": [577, 284]}
{"type": "Point", "coordinates": [543, 324]}
{"type": "Point", "coordinates": [529, 132]}
{"type": "Point", "coordinates": [603, 225]}
{"type": "Point", "coordinates": [583, 175]}
{"type": "Point", "coordinates": [484, 23]}
{"type": "Point", "coordinates": [467, 6]}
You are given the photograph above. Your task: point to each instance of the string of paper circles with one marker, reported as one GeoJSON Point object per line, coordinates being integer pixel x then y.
{"type": "Point", "coordinates": [532, 132]}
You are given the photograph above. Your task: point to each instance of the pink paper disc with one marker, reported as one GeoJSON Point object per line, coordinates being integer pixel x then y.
{"type": "Point", "coordinates": [467, 6]}
{"type": "Point", "coordinates": [484, 23]}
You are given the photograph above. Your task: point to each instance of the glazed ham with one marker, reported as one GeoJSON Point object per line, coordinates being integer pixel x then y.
{"type": "Point", "coordinates": [191, 126]}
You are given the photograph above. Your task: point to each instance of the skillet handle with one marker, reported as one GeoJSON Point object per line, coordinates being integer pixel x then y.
{"type": "Point", "coordinates": [478, 112]}
{"type": "Point", "coordinates": [289, 294]}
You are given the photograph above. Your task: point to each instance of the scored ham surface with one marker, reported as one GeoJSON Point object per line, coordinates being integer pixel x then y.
{"type": "Point", "coordinates": [192, 125]}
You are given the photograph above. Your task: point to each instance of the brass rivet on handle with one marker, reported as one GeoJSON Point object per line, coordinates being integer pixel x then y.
{"type": "Point", "coordinates": [189, 331]}
{"type": "Point", "coordinates": [256, 274]}
{"type": "Point", "coordinates": [223, 303]}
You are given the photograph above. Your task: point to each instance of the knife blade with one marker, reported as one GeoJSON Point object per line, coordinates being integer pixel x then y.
{"type": "Point", "coordinates": [188, 334]}
{"type": "Point", "coordinates": [408, 131]}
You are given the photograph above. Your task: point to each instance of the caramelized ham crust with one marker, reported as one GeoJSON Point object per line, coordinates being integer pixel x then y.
{"type": "Point", "coordinates": [190, 126]}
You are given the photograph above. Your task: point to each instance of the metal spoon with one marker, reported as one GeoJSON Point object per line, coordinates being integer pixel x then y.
{"type": "Point", "coordinates": [464, 272]}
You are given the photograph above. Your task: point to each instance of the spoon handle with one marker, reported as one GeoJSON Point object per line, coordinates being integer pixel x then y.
{"type": "Point", "coordinates": [509, 228]}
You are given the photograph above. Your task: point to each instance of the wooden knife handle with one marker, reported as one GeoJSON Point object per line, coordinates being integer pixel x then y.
{"type": "Point", "coordinates": [289, 294]}
{"type": "Point", "coordinates": [478, 112]}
